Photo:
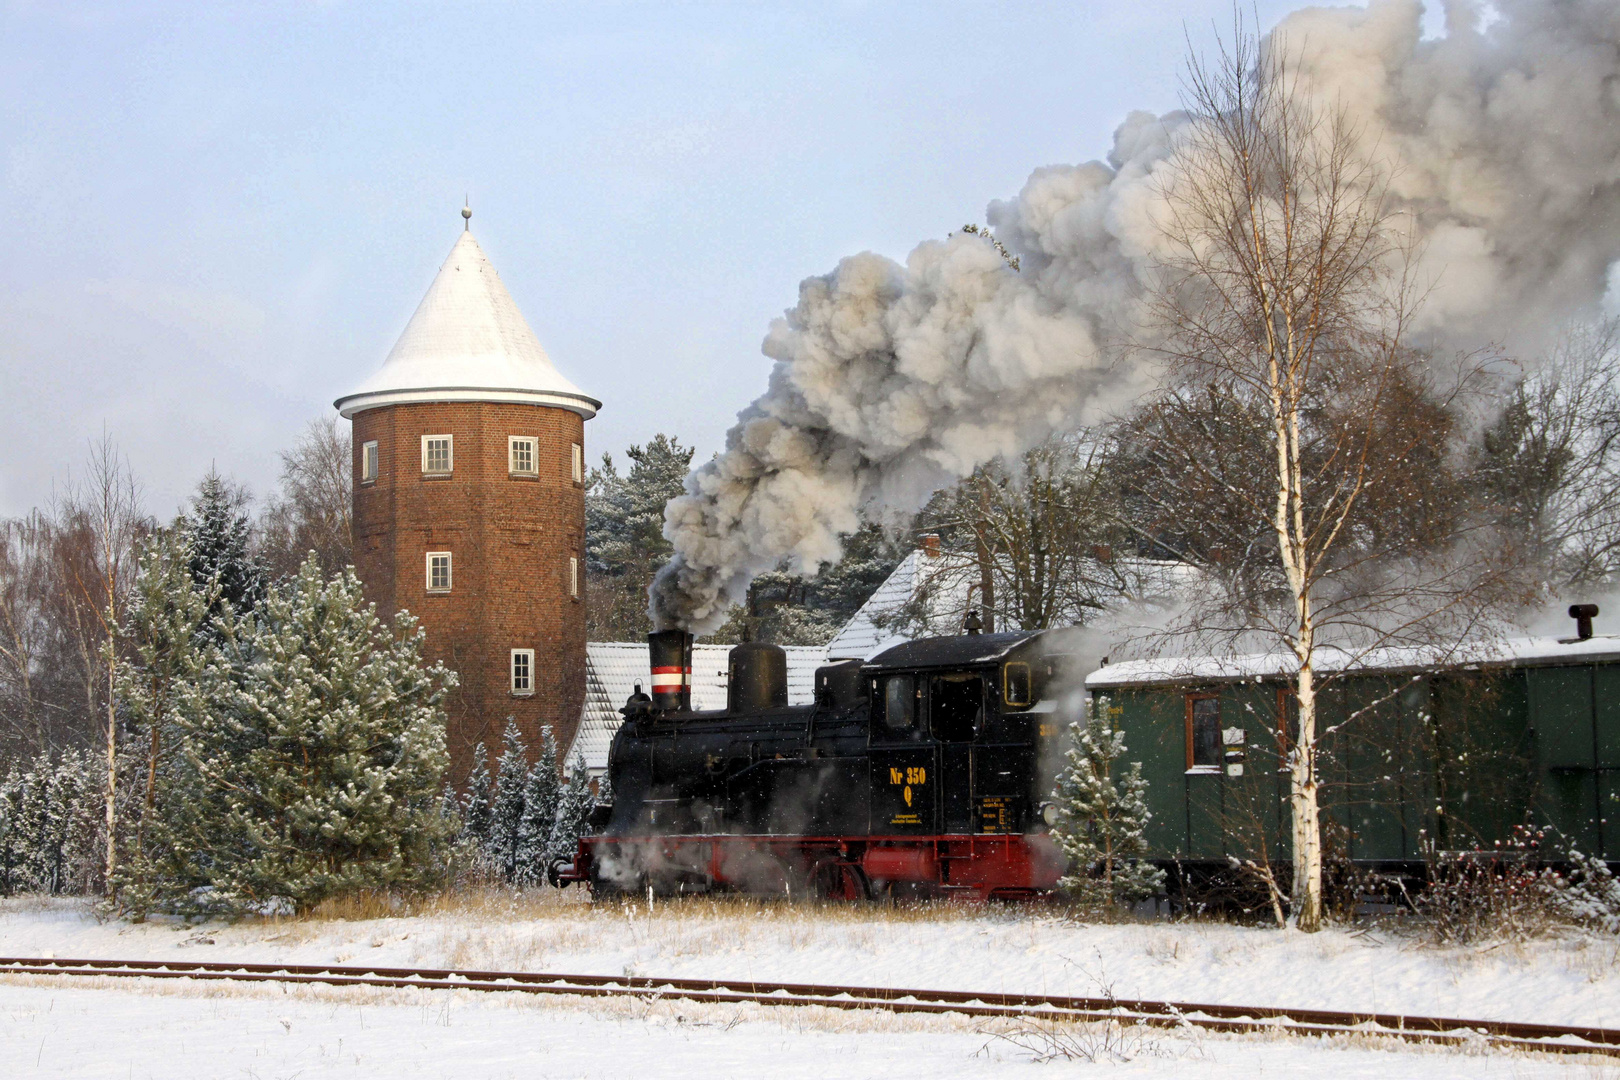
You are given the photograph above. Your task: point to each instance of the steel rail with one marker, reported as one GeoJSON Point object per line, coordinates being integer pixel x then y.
{"type": "Point", "coordinates": [1549, 1038]}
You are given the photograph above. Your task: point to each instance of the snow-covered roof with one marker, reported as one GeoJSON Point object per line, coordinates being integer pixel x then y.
{"type": "Point", "coordinates": [946, 584]}
{"type": "Point", "coordinates": [861, 637]}
{"type": "Point", "coordinates": [1502, 651]}
{"type": "Point", "coordinates": [467, 342]}
{"type": "Point", "coordinates": [613, 668]}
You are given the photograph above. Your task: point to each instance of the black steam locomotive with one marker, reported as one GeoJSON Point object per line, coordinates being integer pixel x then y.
{"type": "Point", "coordinates": [922, 772]}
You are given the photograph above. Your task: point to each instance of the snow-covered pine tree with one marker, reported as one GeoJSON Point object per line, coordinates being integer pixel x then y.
{"type": "Point", "coordinates": [51, 813]}
{"type": "Point", "coordinates": [218, 533]}
{"type": "Point", "coordinates": [573, 811]}
{"type": "Point", "coordinates": [450, 808]}
{"type": "Point", "coordinates": [11, 835]}
{"type": "Point", "coordinates": [165, 634]}
{"type": "Point", "coordinates": [1103, 816]}
{"type": "Point", "coordinates": [318, 735]}
{"type": "Point", "coordinates": [540, 795]}
{"type": "Point", "coordinates": [475, 808]}
{"type": "Point", "coordinates": [506, 814]}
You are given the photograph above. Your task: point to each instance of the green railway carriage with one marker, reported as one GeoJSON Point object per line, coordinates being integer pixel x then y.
{"type": "Point", "coordinates": [1414, 752]}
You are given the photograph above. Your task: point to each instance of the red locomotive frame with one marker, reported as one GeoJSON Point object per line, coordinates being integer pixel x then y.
{"type": "Point", "coordinates": [979, 867]}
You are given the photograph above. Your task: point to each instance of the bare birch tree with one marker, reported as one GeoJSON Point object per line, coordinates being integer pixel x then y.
{"type": "Point", "coordinates": [1284, 295]}
{"type": "Point", "coordinates": [312, 511]}
{"type": "Point", "coordinates": [106, 508]}
{"type": "Point", "coordinates": [25, 633]}
{"type": "Point", "coordinates": [1550, 462]}
{"type": "Point", "coordinates": [1028, 545]}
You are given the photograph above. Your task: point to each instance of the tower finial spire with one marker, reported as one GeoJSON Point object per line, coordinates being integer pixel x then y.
{"type": "Point", "coordinates": [466, 214]}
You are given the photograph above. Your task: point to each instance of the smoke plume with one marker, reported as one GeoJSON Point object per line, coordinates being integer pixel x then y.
{"type": "Point", "coordinates": [891, 380]}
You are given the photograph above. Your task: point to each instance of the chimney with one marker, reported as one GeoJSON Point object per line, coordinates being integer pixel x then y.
{"type": "Point", "coordinates": [928, 543]}
{"type": "Point", "coordinates": [670, 654]}
{"type": "Point", "coordinates": [1583, 614]}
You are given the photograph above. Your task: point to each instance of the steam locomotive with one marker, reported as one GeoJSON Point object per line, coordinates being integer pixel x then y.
{"type": "Point", "coordinates": [921, 772]}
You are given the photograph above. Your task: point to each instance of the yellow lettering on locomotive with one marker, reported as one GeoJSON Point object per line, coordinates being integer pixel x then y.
{"type": "Point", "coordinates": [908, 795]}
{"type": "Point", "coordinates": [916, 775]}
{"type": "Point", "coordinates": [896, 776]}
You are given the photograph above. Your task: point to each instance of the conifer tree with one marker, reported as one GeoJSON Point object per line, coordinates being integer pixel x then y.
{"type": "Point", "coordinates": [218, 533]}
{"type": "Point", "coordinates": [450, 808]}
{"type": "Point", "coordinates": [573, 811]}
{"type": "Point", "coordinates": [49, 821]}
{"type": "Point", "coordinates": [166, 634]}
{"type": "Point", "coordinates": [540, 795]}
{"type": "Point", "coordinates": [1103, 816]}
{"type": "Point", "coordinates": [11, 836]}
{"type": "Point", "coordinates": [316, 738]}
{"type": "Point", "coordinates": [506, 815]}
{"type": "Point", "coordinates": [475, 808]}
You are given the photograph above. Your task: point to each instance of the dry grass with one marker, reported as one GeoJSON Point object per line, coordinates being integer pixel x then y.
{"type": "Point", "coordinates": [507, 904]}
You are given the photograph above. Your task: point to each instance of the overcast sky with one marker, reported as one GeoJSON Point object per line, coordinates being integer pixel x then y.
{"type": "Point", "coordinates": [214, 219]}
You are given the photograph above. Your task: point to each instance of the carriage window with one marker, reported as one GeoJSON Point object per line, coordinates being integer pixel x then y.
{"type": "Point", "coordinates": [1015, 689]}
{"type": "Point", "coordinates": [955, 705]}
{"type": "Point", "coordinates": [1203, 733]}
{"type": "Point", "coordinates": [899, 703]}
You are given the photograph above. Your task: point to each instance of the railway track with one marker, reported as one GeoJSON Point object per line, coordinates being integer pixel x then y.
{"type": "Point", "coordinates": [1549, 1038]}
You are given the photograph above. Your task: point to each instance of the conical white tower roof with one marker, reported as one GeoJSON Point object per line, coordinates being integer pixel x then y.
{"type": "Point", "coordinates": [467, 342]}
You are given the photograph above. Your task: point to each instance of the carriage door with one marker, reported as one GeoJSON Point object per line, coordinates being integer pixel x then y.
{"type": "Point", "coordinates": [955, 717]}
{"type": "Point", "coordinates": [904, 776]}
{"type": "Point", "coordinates": [1206, 833]}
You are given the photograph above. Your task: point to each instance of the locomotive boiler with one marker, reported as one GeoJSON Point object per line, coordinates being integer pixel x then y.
{"type": "Point", "coordinates": [924, 771]}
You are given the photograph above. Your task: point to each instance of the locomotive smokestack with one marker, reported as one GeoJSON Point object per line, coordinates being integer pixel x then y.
{"type": "Point", "coordinates": [670, 654]}
{"type": "Point", "coordinates": [1583, 614]}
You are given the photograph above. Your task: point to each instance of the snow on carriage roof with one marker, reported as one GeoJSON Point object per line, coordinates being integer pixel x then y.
{"type": "Point", "coordinates": [612, 669]}
{"type": "Point", "coordinates": [1504, 651]}
{"type": "Point", "coordinates": [467, 342]}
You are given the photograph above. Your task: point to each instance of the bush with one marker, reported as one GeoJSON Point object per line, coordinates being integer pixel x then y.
{"type": "Point", "coordinates": [1527, 886]}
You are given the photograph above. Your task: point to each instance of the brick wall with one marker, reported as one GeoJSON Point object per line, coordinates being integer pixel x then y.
{"type": "Point", "coordinates": [510, 540]}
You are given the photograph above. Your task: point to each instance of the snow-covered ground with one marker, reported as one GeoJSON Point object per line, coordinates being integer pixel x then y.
{"type": "Point", "coordinates": [69, 1028]}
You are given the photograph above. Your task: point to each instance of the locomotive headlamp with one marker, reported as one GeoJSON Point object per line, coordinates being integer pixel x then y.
{"type": "Point", "coordinates": [1049, 814]}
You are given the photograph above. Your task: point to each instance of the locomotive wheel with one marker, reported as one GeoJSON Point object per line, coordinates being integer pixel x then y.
{"type": "Point", "coordinates": [840, 881]}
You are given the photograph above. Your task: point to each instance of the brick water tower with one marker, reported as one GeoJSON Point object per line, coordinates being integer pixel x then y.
{"type": "Point", "coordinates": [469, 504]}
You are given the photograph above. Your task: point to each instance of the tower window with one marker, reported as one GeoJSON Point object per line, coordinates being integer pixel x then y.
{"type": "Point", "coordinates": [438, 571]}
{"type": "Point", "coordinates": [438, 453]}
{"type": "Point", "coordinates": [579, 464]}
{"type": "Point", "coordinates": [368, 462]}
{"type": "Point", "coordinates": [522, 671]}
{"type": "Point", "coordinates": [573, 576]}
{"type": "Point", "coordinates": [522, 455]}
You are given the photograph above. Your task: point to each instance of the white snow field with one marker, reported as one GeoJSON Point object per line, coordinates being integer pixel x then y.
{"type": "Point", "coordinates": [109, 1028]}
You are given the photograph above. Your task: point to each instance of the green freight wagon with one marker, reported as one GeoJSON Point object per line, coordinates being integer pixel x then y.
{"type": "Point", "coordinates": [1416, 752]}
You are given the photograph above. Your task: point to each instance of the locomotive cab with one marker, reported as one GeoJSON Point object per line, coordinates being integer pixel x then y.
{"type": "Point", "coordinates": [960, 730]}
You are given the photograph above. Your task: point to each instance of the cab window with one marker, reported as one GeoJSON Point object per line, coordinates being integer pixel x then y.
{"type": "Point", "coordinates": [1015, 684]}
{"type": "Point", "coordinates": [899, 698]}
{"type": "Point", "coordinates": [955, 707]}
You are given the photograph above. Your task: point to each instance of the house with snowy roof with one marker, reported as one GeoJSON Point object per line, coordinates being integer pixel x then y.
{"type": "Point", "coordinates": [932, 590]}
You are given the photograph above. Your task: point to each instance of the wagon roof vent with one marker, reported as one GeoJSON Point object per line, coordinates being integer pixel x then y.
{"type": "Point", "coordinates": [1583, 614]}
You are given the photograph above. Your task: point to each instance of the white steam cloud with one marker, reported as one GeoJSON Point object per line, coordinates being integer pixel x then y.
{"type": "Point", "coordinates": [891, 380]}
